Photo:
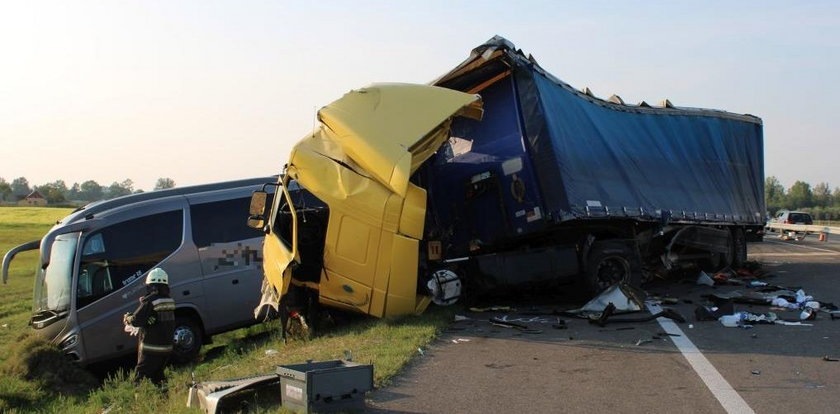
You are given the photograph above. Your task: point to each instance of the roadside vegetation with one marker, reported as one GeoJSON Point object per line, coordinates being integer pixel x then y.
{"type": "Point", "coordinates": [820, 201]}
{"type": "Point", "coordinates": [34, 377]}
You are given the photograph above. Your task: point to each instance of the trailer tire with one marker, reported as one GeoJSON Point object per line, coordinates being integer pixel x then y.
{"type": "Point", "coordinates": [610, 262]}
{"type": "Point", "coordinates": [739, 247]}
{"type": "Point", "coordinates": [187, 339]}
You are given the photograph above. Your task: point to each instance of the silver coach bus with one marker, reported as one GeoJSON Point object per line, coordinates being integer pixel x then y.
{"type": "Point", "coordinates": [93, 265]}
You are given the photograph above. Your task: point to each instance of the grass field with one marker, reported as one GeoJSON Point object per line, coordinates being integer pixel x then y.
{"type": "Point", "coordinates": [388, 344]}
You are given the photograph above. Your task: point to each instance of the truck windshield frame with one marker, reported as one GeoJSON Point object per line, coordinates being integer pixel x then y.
{"type": "Point", "coordinates": [54, 282]}
{"type": "Point", "coordinates": [284, 217]}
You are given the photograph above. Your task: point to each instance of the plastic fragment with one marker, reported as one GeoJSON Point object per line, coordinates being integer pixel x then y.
{"type": "Point", "coordinates": [704, 279]}
{"type": "Point", "coordinates": [830, 359]}
{"type": "Point", "coordinates": [271, 352]}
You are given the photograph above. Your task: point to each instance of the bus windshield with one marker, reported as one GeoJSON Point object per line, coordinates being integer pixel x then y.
{"type": "Point", "coordinates": [52, 285]}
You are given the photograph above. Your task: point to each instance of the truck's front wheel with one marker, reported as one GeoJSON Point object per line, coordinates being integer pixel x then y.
{"type": "Point", "coordinates": [611, 262]}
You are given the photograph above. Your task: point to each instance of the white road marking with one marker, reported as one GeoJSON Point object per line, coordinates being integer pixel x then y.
{"type": "Point", "coordinates": [720, 388]}
{"type": "Point", "coordinates": [795, 254]}
{"type": "Point", "coordinates": [804, 247]}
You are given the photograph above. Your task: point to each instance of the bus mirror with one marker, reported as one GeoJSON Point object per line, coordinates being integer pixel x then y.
{"type": "Point", "coordinates": [257, 207]}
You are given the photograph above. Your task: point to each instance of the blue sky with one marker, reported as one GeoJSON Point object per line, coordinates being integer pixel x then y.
{"type": "Point", "coordinates": [203, 91]}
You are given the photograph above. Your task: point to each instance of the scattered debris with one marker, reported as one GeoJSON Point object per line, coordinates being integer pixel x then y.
{"type": "Point", "coordinates": [5, 326]}
{"type": "Point", "coordinates": [643, 341]}
{"type": "Point", "coordinates": [756, 372]}
{"type": "Point", "coordinates": [788, 323]}
{"type": "Point", "coordinates": [605, 316]}
{"type": "Point", "coordinates": [493, 309]}
{"type": "Point", "coordinates": [459, 318]}
{"type": "Point", "coordinates": [421, 352]}
{"type": "Point", "coordinates": [271, 352]}
{"type": "Point", "coordinates": [830, 359]}
{"type": "Point", "coordinates": [459, 340]}
{"type": "Point", "coordinates": [518, 326]}
{"type": "Point", "coordinates": [704, 279]}
{"type": "Point", "coordinates": [622, 297]}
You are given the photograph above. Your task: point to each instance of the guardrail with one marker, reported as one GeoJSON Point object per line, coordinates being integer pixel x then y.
{"type": "Point", "coordinates": [803, 228]}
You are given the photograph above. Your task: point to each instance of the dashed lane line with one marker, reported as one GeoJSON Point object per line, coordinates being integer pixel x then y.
{"type": "Point", "coordinates": [804, 247]}
{"type": "Point", "coordinates": [731, 401]}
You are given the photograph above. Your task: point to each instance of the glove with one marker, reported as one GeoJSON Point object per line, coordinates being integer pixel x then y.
{"type": "Point", "coordinates": [127, 318]}
{"type": "Point", "coordinates": [132, 330]}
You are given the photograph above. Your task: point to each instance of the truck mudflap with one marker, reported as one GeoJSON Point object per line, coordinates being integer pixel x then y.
{"type": "Point", "coordinates": [7, 259]}
{"type": "Point", "coordinates": [358, 162]}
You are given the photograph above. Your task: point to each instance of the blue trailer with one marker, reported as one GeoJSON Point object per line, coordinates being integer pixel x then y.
{"type": "Point", "coordinates": [555, 183]}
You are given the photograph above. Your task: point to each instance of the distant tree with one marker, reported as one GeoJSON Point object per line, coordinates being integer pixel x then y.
{"type": "Point", "coordinates": [835, 197]}
{"type": "Point", "coordinates": [774, 194]}
{"type": "Point", "coordinates": [822, 195]}
{"type": "Point", "coordinates": [74, 193]}
{"type": "Point", "coordinates": [20, 187]}
{"type": "Point", "coordinates": [90, 191]}
{"type": "Point", "coordinates": [54, 192]}
{"type": "Point", "coordinates": [5, 189]}
{"type": "Point", "coordinates": [164, 183]}
{"type": "Point", "coordinates": [799, 195]}
{"type": "Point", "coordinates": [116, 189]}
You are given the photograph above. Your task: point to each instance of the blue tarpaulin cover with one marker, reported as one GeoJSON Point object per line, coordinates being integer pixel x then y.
{"type": "Point", "coordinates": [623, 163]}
{"type": "Point", "coordinates": [547, 153]}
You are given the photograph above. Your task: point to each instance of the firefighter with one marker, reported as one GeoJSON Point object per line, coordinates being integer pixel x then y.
{"type": "Point", "coordinates": [154, 321]}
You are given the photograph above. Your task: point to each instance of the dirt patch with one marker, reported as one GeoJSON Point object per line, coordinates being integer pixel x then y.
{"type": "Point", "coordinates": [35, 359]}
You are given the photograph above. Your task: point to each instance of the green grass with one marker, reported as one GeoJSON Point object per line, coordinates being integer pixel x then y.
{"type": "Point", "coordinates": [389, 344]}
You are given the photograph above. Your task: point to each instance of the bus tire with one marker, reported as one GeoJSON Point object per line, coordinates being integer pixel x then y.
{"type": "Point", "coordinates": [187, 339]}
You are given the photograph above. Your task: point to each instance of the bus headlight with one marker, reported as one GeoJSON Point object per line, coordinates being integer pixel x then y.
{"type": "Point", "coordinates": [69, 342]}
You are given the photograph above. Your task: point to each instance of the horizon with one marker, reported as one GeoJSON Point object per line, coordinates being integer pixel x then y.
{"type": "Point", "coordinates": [140, 91]}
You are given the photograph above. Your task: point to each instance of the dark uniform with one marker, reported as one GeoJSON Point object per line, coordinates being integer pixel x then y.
{"type": "Point", "coordinates": [156, 319]}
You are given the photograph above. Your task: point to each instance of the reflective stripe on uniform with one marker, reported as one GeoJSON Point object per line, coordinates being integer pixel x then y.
{"type": "Point", "coordinates": [164, 304]}
{"type": "Point", "coordinates": [155, 348]}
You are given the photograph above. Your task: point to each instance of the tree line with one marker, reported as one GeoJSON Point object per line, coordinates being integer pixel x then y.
{"type": "Point", "coordinates": [58, 192]}
{"type": "Point", "coordinates": [820, 201]}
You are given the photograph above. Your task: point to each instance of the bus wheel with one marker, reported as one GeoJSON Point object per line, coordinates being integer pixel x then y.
{"type": "Point", "coordinates": [187, 339]}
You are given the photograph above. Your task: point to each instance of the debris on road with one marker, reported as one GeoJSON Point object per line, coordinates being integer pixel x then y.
{"type": "Point", "coordinates": [830, 359]}
{"type": "Point", "coordinates": [492, 309]}
{"type": "Point", "coordinates": [518, 326]}
{"type": "Point", "coordinates": [756, 372]}
{"type": "Point", "coordinates": [704, 279]}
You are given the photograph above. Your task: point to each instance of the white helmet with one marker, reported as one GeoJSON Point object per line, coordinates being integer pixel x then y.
{"type": "Point", "coordinates": [157, 275]}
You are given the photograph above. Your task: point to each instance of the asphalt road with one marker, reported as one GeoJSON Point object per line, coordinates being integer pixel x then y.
{"type": "Point", "coordinates": [480, 368]}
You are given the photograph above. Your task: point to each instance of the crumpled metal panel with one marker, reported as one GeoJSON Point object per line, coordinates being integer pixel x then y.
{"type": "Point", "coordinates": [358, 162]}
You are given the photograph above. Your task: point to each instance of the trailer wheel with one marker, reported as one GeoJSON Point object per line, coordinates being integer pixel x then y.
{"type": "Point", "coordinates": [739, 246]}
{"type": "Point", "coordinates": [610, 262]}
{"type": "Point", "coordinates": [187, 339]}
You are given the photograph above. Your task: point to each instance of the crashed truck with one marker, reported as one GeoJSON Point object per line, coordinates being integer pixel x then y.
{"type": "Point", "coordinates": [499, 176]}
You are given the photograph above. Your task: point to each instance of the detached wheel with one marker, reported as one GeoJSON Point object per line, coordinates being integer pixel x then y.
{"type": "Point", "coordinates": [611, 262]}
{"type": "Point", "coordinates": [186, 339]}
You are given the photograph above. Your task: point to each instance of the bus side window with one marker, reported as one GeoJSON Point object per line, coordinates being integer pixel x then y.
{"type": "Point", "coordinates": [119, 254]}
{"type": "Point", "coordinates": [222, 222]}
